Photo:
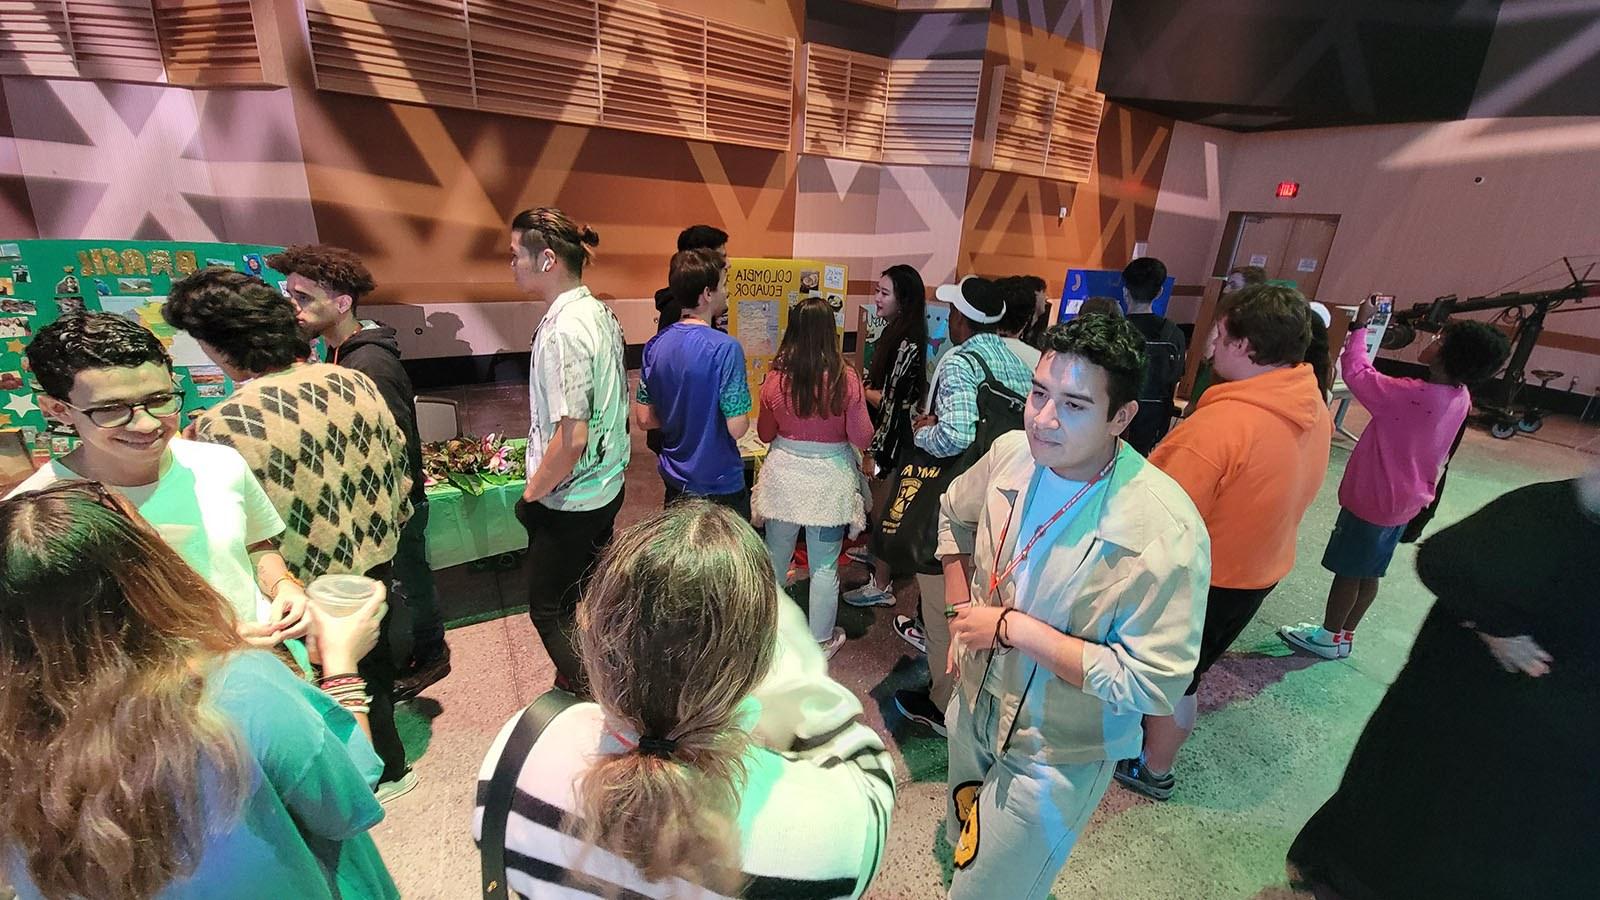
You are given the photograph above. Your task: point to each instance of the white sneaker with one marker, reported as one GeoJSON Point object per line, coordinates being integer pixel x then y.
{"type": "Point", "coordinates": [1313, 639]}
{"type": "Point", "coordinates": [832, 644]}
{"type": "Point", "coordinates": [1347, 642]}
{"type": "Point", "coordinates": [911, 632]}
{"type": "Point", "coordinates": [389, 790]}
{"type": "Point", "coordinates": [869, 594]}
{"type": "Point", "coordinates": [860, 554]}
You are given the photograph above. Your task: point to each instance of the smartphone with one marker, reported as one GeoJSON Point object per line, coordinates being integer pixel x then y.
{"type": "Point", "coordinates": [1384, 304]}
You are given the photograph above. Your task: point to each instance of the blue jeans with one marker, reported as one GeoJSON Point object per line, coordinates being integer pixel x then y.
{"type": "Point", "coordinates": [822, 549]}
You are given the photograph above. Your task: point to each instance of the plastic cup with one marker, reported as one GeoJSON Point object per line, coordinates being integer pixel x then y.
{"type": "Point", "coordinates": [341, 595]}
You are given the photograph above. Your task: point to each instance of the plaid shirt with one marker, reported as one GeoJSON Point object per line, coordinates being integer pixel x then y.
{"type": "Point", "coordinates": [955, 398]}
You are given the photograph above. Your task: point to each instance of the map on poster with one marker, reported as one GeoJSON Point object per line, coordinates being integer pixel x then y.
{"type": "Point", "coordinates": [147, 312]}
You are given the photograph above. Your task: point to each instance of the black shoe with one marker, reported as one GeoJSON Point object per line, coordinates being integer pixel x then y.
{"type": "Point", "coordinates": [1136, 776]}
{"type": "Point", "coordinates": [920, 708]}
{"type": "Point", "coordinates": [426, 673]}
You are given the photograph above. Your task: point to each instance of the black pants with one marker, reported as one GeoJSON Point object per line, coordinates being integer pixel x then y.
{"type": "Point", "coordinates": [411, 569]}
{"type": "Point", "coordinates": [1228, 611]}
{"type": "Point", "coordinates": [562, 549]}
{"type": "Point", "coordinates": [738, 501]}
{"type": "Point", "coordinates": [380, 667]}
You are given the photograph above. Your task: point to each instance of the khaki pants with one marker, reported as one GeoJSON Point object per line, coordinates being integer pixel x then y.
{"type": "Point", "coordinates": [937, 628]}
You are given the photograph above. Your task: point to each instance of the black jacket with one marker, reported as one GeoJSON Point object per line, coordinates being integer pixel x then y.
{"type": "Point", "coordinates": [375, 353]}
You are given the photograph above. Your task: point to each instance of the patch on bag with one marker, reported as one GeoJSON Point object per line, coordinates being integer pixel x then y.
{"type": "Point", "coordinates": [966, 799]}
{"type": "Point", "coordinates": [905, 493]}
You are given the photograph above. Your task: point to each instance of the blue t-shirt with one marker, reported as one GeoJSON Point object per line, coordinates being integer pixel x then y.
{"type": "Point", "coordinates": [303, 829]}
{"type": "Point", "coordinates": [694, 378]}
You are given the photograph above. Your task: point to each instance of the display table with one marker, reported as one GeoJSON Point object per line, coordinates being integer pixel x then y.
{"type": "Point", "coordinates": [463, 528]}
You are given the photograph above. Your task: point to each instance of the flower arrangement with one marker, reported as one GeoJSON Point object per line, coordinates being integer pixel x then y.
{"type": "Point", "coordinates": [473, 464]}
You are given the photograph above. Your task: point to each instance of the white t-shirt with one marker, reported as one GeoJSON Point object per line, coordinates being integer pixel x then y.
{"type": "Point", "coordinates": [209, 507]}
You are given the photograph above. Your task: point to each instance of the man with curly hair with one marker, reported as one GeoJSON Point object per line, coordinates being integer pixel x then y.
{"type": "Point", "coordinates": [327, 285]}
{"type": "Point", "coordinates": [1394, 470]}
{"type": "Point", "coordinates": [326, 449]}
{"type": "Point", "coordinates": [1075, 573]}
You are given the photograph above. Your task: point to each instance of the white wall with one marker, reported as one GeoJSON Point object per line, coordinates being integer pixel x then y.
{"type": "Point", "coordinates": [1190, 213]}
{"type": "Point", "coordinates": [1414, 220]}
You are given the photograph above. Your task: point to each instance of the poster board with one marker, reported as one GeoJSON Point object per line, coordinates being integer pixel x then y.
{"type": "Point", "coordinates": [760, 294]}
{"type": "Point", "coordinates": [1081, 284]}
{"type": "Point", "coordinates": [41, 280]}
{"type": "Point", "coordinates": [935, 314]}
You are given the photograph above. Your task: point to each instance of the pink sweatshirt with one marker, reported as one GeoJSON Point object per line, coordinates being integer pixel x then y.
{"type": "Point", "coordinates": [1394, 470]}
{"type": "Point", "coordinates": [777, 419]}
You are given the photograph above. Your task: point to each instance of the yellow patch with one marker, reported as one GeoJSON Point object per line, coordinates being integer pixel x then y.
{"type": "Point", "coordinates": [966, 798]}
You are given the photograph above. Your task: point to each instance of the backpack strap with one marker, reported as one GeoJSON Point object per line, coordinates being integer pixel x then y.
{"type": "Point", "coordinates": [503, 786]}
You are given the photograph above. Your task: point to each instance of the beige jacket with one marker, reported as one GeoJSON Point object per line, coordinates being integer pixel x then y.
{"type": "Point", "coordinates": [1128, 574]}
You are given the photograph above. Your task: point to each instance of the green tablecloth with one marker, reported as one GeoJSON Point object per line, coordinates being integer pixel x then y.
{"type": "Point", "coordinates": [463, 528]}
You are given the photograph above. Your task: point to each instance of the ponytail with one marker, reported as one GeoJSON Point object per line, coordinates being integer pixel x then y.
{"type": "Point", "coordinates": [549, 228]}
{"type": "Point", "coordinates": [676, 628]}
{"type": "Point", "coordinates": [673, 815]}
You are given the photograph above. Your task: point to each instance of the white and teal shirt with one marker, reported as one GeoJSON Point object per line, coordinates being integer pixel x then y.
{"type": "Point", "coordinates": [577, 372]}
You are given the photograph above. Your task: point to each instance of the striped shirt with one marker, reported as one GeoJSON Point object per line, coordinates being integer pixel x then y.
{"type": "Point", "coordinates": [819, 810]}
{"type": "Point", "coordinates": [955, 397]}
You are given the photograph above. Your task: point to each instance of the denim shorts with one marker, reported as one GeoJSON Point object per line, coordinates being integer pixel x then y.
{"type": "Point", "coordinates": [1359, 549]}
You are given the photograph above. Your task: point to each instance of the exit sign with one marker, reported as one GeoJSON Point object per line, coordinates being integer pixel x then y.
{"type": "Point", "coordinates": [1288, 188]}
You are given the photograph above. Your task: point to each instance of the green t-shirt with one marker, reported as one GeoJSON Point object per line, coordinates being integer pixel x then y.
{"type": "Point", "coordinates": [302, 831]}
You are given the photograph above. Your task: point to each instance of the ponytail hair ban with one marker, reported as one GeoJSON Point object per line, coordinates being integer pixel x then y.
{"type": "Point", "coordinates": [548, 228]}
{"type": "Point", "coordinates": [677, 627]}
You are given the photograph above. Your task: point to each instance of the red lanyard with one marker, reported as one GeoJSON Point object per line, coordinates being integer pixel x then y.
{"type": "Point", "coordinates": [996, 577]}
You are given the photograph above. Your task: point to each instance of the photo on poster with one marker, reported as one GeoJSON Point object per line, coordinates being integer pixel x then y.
{"type": "Point", "coordinates": [222, 263]}
{"type": "Point", "coordinates": [22, 274]}
{"type": "Point", "coordinates": [8, 287]}
{"type": "Point", "coordinates": [810, 281]}
{"type": "Point", "coordinates": [206, 375]}
{"type": "Point", "coordinates": [68, 285]}
{"type": "Point", "coordinates": [102, 287]}
{"type": "Point", "coordinates": [11, 381]}
{"type": "Point", "coordinates": [210, 391]}
{"type": "Point", "coordinates": [253, 264]}
{"type": "Point", "coordinates": [67, 306]}
{"type": "Point", "coordinates": [15, 327]}
{"type": "Point", "coordinates": [141, 286]}
{"type": "Point", "coordinates": [10, 251]}
{"type": "Point", "coordinates": [20, 307]}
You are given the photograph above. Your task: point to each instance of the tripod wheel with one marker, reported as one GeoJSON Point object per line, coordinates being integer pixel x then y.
{"type": "Point", "coordinates": [1530, 424]}
{"type": "Point", "coordinates": [1504, 431]}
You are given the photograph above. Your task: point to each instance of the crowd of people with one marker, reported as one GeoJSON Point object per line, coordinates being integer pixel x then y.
{"type": "Point", "coordinates": [1080, 563]}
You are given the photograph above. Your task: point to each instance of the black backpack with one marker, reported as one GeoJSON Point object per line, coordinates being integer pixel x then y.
{"type": "Point", "coordinates": [908, 537]}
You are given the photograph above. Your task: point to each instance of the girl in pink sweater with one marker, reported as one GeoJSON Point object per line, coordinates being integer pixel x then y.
{"type": "Point", "coordinates": [1395, 467]}
{"type": "Point", "coordinates": [814, 414]}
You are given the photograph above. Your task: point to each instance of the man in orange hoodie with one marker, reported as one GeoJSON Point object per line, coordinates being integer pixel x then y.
{"type": "Point", "coordinates": [1251, 457]}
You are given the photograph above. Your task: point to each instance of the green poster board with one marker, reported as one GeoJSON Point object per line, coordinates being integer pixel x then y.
{"type": "Point", "coordinates": [42, 280]}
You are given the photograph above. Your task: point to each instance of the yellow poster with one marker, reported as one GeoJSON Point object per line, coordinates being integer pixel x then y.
{"type": "Point", "coordinates": [760, 294]}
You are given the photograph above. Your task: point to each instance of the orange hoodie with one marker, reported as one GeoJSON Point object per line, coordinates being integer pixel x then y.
{"type": "Point", "coordinates": [1252, 457]}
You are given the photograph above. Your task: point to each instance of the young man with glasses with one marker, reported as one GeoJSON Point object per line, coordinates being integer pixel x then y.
{"type": "Point", "coordinates": [112, 381]}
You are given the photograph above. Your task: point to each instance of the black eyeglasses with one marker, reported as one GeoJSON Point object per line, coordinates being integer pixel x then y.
{"type": "Point", "coordinates": [116, 415]}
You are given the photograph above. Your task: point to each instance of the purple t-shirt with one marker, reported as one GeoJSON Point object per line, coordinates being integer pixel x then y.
{"type": "Point", "coordinates": [694, 378]}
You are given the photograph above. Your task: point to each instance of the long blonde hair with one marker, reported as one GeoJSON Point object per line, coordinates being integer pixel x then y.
{"type": "Point", "coordinates": [106, 737]}
{"type": "Point", "coordinates": [676, 629]}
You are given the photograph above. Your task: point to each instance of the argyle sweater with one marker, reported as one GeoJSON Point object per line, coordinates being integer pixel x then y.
{"type": "Point", "coordinates": [331, 457]}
